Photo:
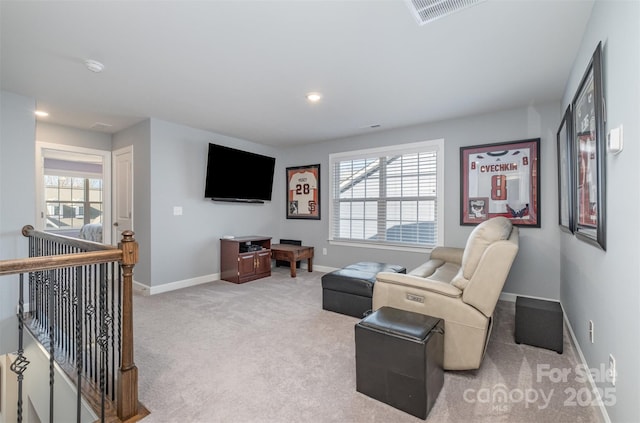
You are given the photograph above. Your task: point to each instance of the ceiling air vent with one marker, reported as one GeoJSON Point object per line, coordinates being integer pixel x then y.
{"type": "Point", "coordinates": [429, 10]}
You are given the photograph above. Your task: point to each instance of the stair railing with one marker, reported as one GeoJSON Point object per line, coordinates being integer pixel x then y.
{"type": "Point", "coordinates": [80, 308]}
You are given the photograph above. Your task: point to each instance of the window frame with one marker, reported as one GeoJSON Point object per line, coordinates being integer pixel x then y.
{"type": "Point", "coordinates": [78, 206]}
{"type": "Point", "coordinates": [42, 147]}
{"type": "Point", "coordinates": [398, 149]}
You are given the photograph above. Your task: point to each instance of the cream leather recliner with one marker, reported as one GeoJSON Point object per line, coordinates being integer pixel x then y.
{"type": "Point", "coordinates": [460, 286]}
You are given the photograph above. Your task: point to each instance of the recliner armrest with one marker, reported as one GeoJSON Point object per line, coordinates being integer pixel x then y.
{"type": "Point", "coordinates": [417, 282]}
{"type": "Point", "coordinates": [448, 254]}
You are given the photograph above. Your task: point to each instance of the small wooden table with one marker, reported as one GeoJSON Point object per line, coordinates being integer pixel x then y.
{"type": "Point", "coordinates": [293, 253]}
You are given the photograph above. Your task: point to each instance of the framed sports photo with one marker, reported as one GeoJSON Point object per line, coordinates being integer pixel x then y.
{"type": "Point", "coordinates": [565, 173]}
{"type": "Point", "coordinates": [303, 192]}
{"type": "Point", "coordinates": [589, 146]}
{"type": "Point", "coordinates": [501, 179]}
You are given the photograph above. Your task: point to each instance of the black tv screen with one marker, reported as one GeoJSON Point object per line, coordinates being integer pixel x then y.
{"type": "Point", "coordinates": [236, 175]}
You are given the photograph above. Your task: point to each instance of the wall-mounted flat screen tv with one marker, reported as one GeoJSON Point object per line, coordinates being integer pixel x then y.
{"type": "Point", "coordinates": [237, 175]}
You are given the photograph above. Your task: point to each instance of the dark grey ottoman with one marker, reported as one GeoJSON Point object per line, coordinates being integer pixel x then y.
{"type": "Point", "coordinates": [349, 290]}
{"type": "Point", "coordinates": [539, 323]}
{"type": "Point", "coordinates": [399, 358]}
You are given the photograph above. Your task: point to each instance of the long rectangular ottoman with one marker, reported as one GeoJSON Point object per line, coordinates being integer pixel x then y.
{"type": "Point", "coordinates": [349, 290]}
{"type": "Point", "coordinates": [399, 356]}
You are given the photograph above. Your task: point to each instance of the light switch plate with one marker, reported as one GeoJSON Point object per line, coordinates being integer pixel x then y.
{"type": "Point", "coordinates": [615, 140]}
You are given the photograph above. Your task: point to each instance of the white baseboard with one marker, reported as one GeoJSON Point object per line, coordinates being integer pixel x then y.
{"type": "Point", "coordinates": [592, 383]}
{"type": "Point", "coordinates": [507, 296]}
{"type": "Point", "coordinates": [146, 290]}
{"type": "Point", "coordinates": [325, 269]}
{"type": "Point", "coordinates": [172, 286]}
{"type": "Point", "coordinates": [143, 289]}
{"type": "Point", "coordinates": [316, 268]}
{"type": "Point", "coordinates": [140, 288]}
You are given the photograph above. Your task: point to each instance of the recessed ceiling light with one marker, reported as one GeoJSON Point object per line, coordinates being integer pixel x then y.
{"type": "Point", "coordinates": [94, 65]}
{"type": "Point", "coordinates": [41, 113]}
{"type": "Point", "coordinates": [314, 97]}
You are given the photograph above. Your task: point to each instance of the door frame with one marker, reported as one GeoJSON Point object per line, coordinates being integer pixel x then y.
{"type": "Point", "coordinates": [106, 182]}
{"type": "Point", "coordinates": [114, 193]}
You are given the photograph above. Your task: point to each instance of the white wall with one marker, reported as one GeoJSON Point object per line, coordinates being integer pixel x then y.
{"type": "Point", "coordinates": [17, 208]}
{"type": "Point", "coordinates": [537, 267]}
{"type": "Point", "coordinates": [36, 389]}
{"type": "Point", "coordinates": [17, 205]}
{"type": "Point", "coordinates": [8, 391]}
{"type": "Point", "coordinates": [169, 170]}
{"type": "Point", "coordinates": [59, 134]}
{"type": "Point", "coordinates": [188, 246]}
{"type": "Point", "coordinates": [598, 285]}
{"type": "Point", "coordinates": [170, 164]}
{"type": "Point", "coordinates": [139, 136]}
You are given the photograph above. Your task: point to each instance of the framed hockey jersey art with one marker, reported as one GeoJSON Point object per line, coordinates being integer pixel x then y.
{"type": "Point", "coordinates": [303, 192]}
{"type": "Point", "coordinates": [590, 155]}
{"type": "Point", "coordinates": [501, 179]}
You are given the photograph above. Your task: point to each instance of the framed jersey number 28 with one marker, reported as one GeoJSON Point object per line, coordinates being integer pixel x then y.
{"type": "Point", "coordinates": [303, 192]}
{"type": "Point", "coordinates": [501, 179]}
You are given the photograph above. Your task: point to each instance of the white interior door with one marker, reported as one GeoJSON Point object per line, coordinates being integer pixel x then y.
{"type": "Point", "coordinates": [122, 192]}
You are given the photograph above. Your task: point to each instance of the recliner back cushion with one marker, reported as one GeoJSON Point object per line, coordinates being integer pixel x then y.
{"type": "Point", "coordinates": [483, 235]}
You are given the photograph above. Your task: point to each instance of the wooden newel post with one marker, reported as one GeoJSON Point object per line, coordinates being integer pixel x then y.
{"type": "Point", "coordinates": [127, 398]}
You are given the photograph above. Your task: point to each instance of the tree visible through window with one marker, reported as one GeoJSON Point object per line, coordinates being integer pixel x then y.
{"type": "Point", "coordinates": [388, 196]}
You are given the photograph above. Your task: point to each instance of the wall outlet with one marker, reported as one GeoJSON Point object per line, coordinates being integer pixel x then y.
{"type": "Point", "coordinates": [177, 211]}
{"type": "Point", "coordinates": [591, 335]}
{"type": "Point", "coordinates": [324, 251]}
{"type": "Point", "coordinates": [612, 370]}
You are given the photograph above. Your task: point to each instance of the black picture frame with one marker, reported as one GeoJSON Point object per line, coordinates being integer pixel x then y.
{"type": "Point", "coordinates": [490, 174]}
{"type": "Point", "coordinates": [565, 172]}
{"type": "Point", "coordinates": [590, 155]}
{"type": "Point", "coordinates": [303, 192]}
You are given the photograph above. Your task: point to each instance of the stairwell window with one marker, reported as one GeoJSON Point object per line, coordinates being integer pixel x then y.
{"type": "Point", "coordinates": [390, 197]}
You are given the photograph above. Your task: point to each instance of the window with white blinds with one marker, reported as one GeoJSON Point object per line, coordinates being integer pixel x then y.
{"type": "Point", "coordinates": [388, 196]}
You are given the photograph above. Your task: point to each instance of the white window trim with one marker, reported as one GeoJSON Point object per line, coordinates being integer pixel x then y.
{"type": "Point", "coordinates": [106, 182]}
{"type": "Point", "coordinates": [376, 152]}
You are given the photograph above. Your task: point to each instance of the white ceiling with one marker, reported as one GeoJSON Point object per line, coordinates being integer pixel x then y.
{"type": "Point", "coordinates": [242, 68]}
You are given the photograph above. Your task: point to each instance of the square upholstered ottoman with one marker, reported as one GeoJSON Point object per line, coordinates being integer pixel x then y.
{"type": "Point", "coordinates": [349, 290]}
{"type": "Point", "coordinates": [539, 323]}
{"type": "Point", "coordinates": [399, 357]}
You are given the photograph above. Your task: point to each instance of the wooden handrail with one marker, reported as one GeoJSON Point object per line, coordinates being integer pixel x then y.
{"type": "Point", "coordinates": [29, 231]}
{"type": "Point", "coordinates": [35, 264]}
{"type": "Point", "coordinates": [94, 253]}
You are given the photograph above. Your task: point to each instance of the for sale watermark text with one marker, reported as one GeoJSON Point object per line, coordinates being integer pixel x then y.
{"type": "Point", "coordinates": [501, 398]}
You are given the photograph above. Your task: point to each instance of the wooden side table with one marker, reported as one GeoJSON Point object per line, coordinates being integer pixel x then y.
{"type": "Point", "coordinates": [293, 253]}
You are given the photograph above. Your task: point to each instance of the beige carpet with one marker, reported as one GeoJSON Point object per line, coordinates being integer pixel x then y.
{"type": "Point", "coordinates": [265, 351]}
